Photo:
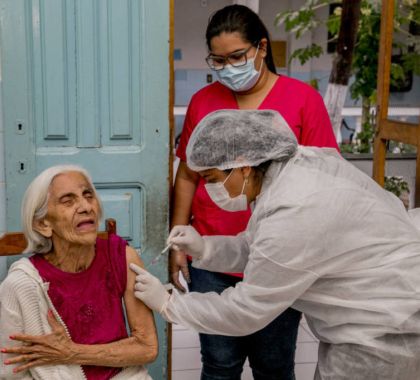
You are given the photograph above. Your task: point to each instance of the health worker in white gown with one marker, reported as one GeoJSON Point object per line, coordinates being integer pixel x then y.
{"type": "Point", "coordinates": [323, 238]}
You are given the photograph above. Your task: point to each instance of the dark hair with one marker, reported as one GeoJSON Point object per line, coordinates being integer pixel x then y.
{"type": "Point", "coordinates": [263, 167]}
{"type": "Point", "coordinates": [239, 18]}
{"type": "Point", "coordinates": [259, 171]}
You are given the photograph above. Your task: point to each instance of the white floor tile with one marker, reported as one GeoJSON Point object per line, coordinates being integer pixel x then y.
{"type": "Point", "coordinates": [186, 359]}
{"type": "Point", "coordinates": [305, 371]}
{"type": "Point", "coordinates": [186, 375]}
{"type": "Point", "coordinates": [185, 339]}
{"type": "Point", "coordinates": [178, 327]}
{"type": "Point", "coordinates": [306, 353]}
{"type": "Point", "coordinates": [305, 334]}
{"type": "Point", "coordinates": [247, 374]}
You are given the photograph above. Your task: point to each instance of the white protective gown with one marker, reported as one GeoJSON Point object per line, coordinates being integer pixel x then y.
{"type": "Point", "coordinates": [325, 239]}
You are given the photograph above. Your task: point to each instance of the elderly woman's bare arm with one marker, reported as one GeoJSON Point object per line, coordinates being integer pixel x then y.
{"type": "Point", "coordinates": [140, 317]}
{"type": "Point", "coordinates": [142, 346]}
{"type": "Point", "coordinates": [57, 348]}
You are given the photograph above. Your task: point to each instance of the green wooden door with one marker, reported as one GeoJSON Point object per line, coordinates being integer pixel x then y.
{"type": "Point", "coordinates": [87, 82]}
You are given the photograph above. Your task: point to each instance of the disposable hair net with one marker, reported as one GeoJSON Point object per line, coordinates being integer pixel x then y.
{"type": "Point", "coordinates": [227, 139]}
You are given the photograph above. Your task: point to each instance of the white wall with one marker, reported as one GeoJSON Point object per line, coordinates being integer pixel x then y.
{"type": "Point", "coordinates": [269, 10]}
{"type": "Point", "coordinates": [191, 18]}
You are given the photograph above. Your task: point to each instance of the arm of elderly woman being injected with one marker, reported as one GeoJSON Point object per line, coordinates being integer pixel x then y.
{"type": "Point", "coordinates": [56, 348]}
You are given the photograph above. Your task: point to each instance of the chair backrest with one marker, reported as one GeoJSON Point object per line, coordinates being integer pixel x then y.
{"type": "Point", "coordinates": [387, 129]}
{"type": "Point", "coordinates": [13, 243]}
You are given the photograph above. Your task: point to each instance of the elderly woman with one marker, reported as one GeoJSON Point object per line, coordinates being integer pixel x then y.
{"type": "Point", "coordinates": [61, 310]}
{"type": "Point", "coordinates": [323, 238]}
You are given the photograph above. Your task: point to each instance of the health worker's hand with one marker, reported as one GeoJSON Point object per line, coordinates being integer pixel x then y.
{"type": "Point", "coordinates": [187, 239]}
{"type": "Point", "coordinates": [149, 289]}
{"type": "Point", "coordinates": [48, 349]}
{"type": "Point", "coordinates": [178, 263]}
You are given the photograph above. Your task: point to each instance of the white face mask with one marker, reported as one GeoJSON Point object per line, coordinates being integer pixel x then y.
{"type": "Point", "coordinates": [241, 78]}
{"type": "Point", "coordinates": [219, 195]}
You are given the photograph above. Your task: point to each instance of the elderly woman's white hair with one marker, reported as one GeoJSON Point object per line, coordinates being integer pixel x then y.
{"type": "Point", "coordinates": [35, 205]}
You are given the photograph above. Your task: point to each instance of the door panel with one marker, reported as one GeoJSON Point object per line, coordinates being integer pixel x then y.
{"type": "Point", "coordinates": [126, 206]}
{"type": "Point", "coordinates": [50, 47]}
{"type": "Point", "coordinates": [87, 82]}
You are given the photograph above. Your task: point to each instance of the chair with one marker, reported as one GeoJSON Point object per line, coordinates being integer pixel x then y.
{"type": "Point", "coordinates": [13, 243]}
{"type": "Point", "coordinates": [387, 129]}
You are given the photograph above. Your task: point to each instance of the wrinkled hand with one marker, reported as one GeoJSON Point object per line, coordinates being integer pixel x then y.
{"type": "Point", "coordinates": [178, 263]}
{"type": "Point", "coordinates": [149, 289]}
{"type": "Point", "coordinates": [187, 239]}
{"type": "Point", "coordinates": [48, 349]}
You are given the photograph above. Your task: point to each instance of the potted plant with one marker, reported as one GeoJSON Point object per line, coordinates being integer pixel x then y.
{"type": "Point", "coordinates": [398, 186]}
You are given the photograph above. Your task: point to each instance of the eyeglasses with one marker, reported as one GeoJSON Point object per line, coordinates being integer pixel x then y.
{"type": "Point", "coordinates": [236, 59]}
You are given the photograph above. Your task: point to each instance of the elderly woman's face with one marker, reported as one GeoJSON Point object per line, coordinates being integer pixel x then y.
{"type": "Point", "coordinates": [73, 210]}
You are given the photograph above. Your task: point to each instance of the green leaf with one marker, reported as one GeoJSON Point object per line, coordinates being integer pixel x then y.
{"type": "Point", "coordinates": [365, 58]}
{"type": "Point", "coordinates": [305, 54]}
{"type": "Point", "coordinates": [333, 24]}
{"type": "Point", "coordinates": [396, 185]}
{"type": "Point", "coordinates": [411, 62]}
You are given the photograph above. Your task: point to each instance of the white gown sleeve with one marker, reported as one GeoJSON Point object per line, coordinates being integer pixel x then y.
{"type": "Point", "coordinates": [242, 310]}
{"type": "Point", "coordinates": [414, 215]}
{"type": "Point", "coordinates": [279, 270]}
{"type": "Point", "coordinates": [224, 253]}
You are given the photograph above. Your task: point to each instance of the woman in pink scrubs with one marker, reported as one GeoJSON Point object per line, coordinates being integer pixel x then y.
{"type": "Point", "coordinates": [241, 58]}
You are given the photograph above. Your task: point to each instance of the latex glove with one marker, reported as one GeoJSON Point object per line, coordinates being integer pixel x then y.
{"type": "Point", "coordinates": [187, 239]}
{"type": "Point", "coordinates": [178, 263]}
{"type": "Point", "coordinates": [149, 289]}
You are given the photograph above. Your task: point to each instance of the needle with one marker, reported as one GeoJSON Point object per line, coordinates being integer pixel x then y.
{"type": "Point", "coordinates": [157, 258]}
{"type": "Point", "coordinates": [166, 248]}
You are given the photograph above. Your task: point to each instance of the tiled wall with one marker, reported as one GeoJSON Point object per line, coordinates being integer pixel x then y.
{"type": "Point", "coordinates": [187, 82]}
{"type": "Point", "coordinates": [186, 361]}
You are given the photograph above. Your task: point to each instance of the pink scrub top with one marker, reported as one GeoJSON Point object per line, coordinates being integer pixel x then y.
{"type": "Point", "coordinates": [90, 302]}
{"type": "Point", "coordinates": [300, 105]}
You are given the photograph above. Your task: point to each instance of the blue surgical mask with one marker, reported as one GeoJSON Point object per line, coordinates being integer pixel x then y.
{"type": "Point", "coordinates": [220, 196]}
{"type": "Point", "coordinates": [241, 78]}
